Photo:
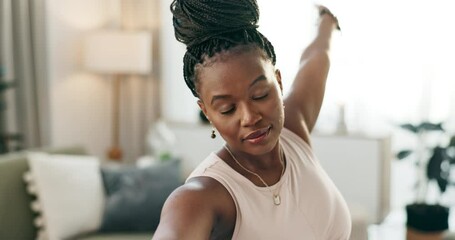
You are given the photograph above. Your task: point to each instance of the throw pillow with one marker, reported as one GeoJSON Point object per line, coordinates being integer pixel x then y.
{"type": "Point", "coordinates": [135, 196]}
{"type": "Point", "coordinates": [69, 191]}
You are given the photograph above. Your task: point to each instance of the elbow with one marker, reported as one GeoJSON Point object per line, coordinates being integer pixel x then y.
{"type": "Point", "coordinates": [317, 62]}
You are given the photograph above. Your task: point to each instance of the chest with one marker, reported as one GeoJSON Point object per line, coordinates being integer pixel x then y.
{"type": "Point", "coordinates": [311, 208]}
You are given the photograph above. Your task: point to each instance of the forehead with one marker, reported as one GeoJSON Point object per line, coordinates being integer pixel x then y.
{"type": "Point", "coordinates": [233, 71]}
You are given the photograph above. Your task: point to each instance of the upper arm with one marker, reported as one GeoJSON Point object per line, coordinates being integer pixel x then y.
{"type": "Point", "coordinates": [304, 101]}
{"type": "Point", "coordinates": [186, 215]}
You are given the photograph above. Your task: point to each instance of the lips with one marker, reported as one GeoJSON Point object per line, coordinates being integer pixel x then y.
{"type": "Point", "coordinates": [257, 134]}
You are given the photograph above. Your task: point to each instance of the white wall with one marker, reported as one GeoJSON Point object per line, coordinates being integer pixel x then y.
{"type": "Point", "coordinates": [179, 105]}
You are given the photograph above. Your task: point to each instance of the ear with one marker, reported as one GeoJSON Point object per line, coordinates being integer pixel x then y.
{"type": "Point", "coordinates": [278, 78]}
{"type": "Point", "coordinates": [203, 109]}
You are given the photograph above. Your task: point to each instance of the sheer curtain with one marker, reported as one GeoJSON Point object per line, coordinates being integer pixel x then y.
{"type": "Point", "coordinates": [391, 63]}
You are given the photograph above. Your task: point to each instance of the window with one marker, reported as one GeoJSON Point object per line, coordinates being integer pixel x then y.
{"type": "Point", "coordinates": [392, 63]}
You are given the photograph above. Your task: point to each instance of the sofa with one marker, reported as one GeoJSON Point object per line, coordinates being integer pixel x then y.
{"type": "Point", "coordinates": [17, 220]}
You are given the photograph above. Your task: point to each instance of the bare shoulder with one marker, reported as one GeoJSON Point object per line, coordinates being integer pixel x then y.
{"type": "Point", "coordinates": [195, 210]}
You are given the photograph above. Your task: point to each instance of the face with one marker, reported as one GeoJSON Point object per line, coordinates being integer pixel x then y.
{"type": "Point", "coordinates": [241, 94]}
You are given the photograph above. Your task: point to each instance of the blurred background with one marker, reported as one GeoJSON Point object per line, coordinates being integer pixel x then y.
{"type": "Point", "coordinates": [392, 64]}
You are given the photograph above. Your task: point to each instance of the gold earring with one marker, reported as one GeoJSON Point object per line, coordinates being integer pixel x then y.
{"type": "Point", "coordinates": [213, 133]}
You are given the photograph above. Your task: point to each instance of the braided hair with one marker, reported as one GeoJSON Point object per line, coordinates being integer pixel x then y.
{"type": "Point", "coordinates": [208, 27]}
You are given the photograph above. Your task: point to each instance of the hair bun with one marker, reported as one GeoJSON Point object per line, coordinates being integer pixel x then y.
{"type": "Point", "coordinates": [195, 21]}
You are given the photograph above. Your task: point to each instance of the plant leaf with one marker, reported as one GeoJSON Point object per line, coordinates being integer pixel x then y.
{"type": "Point", "coordinates": [436, 171]}
{"type": "Point", "coordinates": [2, 105]}
{"type": "Point", "coordinates": [5, 85]}
{"type": "Point", "coordinates": [403, 154]}
{"type": "Point", "coordinates": [452, 141]}
{"type": "Point", "coordinates": [451, 159]}
{"type": "Point", "coordinates": [442, 183]}
{"type": "Point", "coordinates": [434, 164]}
{"type": "Point", "coordinates": [428, 126]}
{"type": "Point", "coordinates": [409, 127]}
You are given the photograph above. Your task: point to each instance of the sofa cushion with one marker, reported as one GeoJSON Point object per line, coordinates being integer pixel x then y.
{"type": "Point", "coordinates": [16, 218]}
{"type": "Point", "coordinates": [69, 191]}
{"type": "Point", "coordinates": [136, 195]}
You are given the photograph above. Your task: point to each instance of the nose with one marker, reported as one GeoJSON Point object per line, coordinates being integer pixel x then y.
{"type": "Point", "coordinates": [250, 115]}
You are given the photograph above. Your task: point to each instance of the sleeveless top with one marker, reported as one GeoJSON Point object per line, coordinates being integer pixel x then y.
{"type": "Point", "coordinates": [311, 206]}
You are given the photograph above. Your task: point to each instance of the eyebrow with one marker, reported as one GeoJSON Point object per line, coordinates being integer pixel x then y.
{"type": "Point", "coordinates": [258, 79]}
{"type": "Point", "coordinates": [218, 97]}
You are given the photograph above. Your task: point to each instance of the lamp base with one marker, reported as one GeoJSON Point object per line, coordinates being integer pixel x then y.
{"type": "Point", "coordinates": [115, 154]}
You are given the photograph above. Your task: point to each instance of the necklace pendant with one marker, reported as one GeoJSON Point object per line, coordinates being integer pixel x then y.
{"type": "Point", "coordinates": [276, 199]}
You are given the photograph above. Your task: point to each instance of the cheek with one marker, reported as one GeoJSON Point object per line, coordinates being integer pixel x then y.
{"type": "Point", "coordinates": [220, 122]}
{"type": "Point", "coordinates": [227, 128]}
{"type": "Point", "coordinates": [276, 103]}
{"type": "Point", "coordinates": [276, 109]}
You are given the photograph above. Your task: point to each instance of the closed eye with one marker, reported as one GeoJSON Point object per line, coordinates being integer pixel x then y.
{"type": "Point", "coordinates": [229, 111]}
{"type": "Point", "coordinates": [260, 97]}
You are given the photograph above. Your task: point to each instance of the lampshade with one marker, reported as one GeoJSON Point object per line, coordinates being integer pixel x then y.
{"type": "Point", "coordinates": [118, 52]}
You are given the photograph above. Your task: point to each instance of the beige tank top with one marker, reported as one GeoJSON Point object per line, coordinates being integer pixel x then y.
{"type": "Point", "coordinates": [311, 206]}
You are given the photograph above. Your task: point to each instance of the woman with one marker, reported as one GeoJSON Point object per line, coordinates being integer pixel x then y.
{"type": "Point", "coordinates": [265, 183]}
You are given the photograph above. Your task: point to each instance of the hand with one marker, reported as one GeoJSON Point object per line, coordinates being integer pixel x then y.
{"type": "Point", "coordinates": [324, 10]}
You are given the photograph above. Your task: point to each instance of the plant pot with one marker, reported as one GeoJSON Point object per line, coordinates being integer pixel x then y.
{"type": "Point", "coordinates": [426, 221]}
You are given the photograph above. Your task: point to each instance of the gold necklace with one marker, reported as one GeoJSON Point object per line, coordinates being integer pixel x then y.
{"type": "Point", "coordinates": [276, 197]}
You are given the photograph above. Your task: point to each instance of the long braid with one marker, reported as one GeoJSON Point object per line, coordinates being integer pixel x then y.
{"type": "Point", "coordinates": [208, 27]}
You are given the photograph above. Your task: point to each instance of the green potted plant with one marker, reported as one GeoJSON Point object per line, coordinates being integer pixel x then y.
{"type": "Point", "coordinates": [427, 220]}
{"type": "Point", "coordinates": [7, 139]}
{"type": "Point", "coordinates": [4, 86]}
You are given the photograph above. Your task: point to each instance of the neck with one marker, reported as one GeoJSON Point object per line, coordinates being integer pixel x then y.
{"type": "Point", "coordinates": [260, 176]}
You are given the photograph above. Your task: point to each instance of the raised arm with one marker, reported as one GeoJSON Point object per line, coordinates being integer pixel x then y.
{"type": "Point", "coordinates": [307, 91]}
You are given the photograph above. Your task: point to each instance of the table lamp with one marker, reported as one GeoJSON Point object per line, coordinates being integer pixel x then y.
{"type": "Point", "coordinates": [117, 53]}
